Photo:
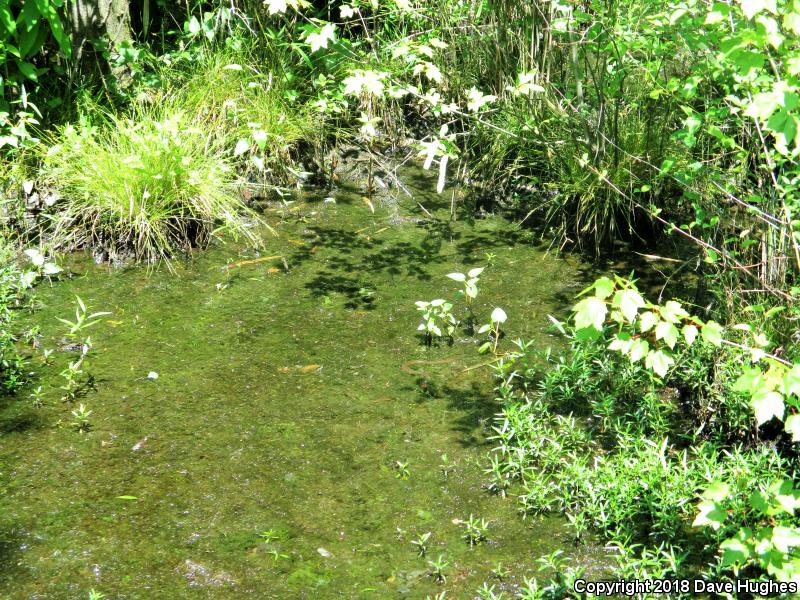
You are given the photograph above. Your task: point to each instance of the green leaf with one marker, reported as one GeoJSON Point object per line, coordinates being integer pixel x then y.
{"type": "Point", "coordinates": [629, 302]}
{"type": "Point", "coordinates": [792, 426]}
{"type": "Point", "coordinates": [127, 498]}
{"type": "Point", "coordinates": [27, 69]}
{"type": "Point", "coordinates": [763, 105]}
{"type": "Point", "coordinates": [603, 288]}
{"type": "Point", "coordinates": [659, 362]}
{"type": "Point", "coordinates": [759, 501]}
{"type": "Point", "coordinates": [751, 8]}
{"type": "Point", "coordinates": [717, 491]}
{"type": "Point", "coordinates": [647, 320]}
{"type": "Point", "coordinates": [791, 382]}
{"type": "Point", "coordinates": [718, 13]}
{"type": "Point", "coordinates": [673, 312]}
{"type": "Point", "coordinates": [785, 538]}
{"type": "Point", "coordinates": [689, 333]}
{"type": "Point", "coordinates": [639, 349]}
{"type": "Point", "coordinates": [749, 381]}
{"type": "Point", "coordinates": [498, 315]}
{"type": "Point", "coordinates": [766, 405]}
{"type": "Point", "coordinates": [735, 550]}
{"type": "Point", "coordinates": [590, 312]}
{"type": "Point", "coordinates": [668, 332]}
{"type": "Point", "coordinates": [621, 343]}
{"type": "Point", "coordinates": [709, 513]}
{"type": "Point", "coordinates": [788, 498]}
{"type": "Point", "coordinates": [712, 333]}
{"type": "Point", "coordinates": [7, 18]}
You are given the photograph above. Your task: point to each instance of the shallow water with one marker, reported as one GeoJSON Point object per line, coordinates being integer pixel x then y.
{"type": "Point", "coordinates": [241, 433]}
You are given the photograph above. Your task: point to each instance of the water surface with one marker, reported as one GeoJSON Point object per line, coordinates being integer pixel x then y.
{"type": "Point", "coordinates": [284, 401]}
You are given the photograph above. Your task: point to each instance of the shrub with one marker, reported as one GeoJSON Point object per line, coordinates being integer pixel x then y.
{"type": "Point", "coordinates": [150, 186]}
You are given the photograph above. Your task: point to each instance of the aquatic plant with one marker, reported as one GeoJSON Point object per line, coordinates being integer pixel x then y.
{"type": "Point", "coordinates": [421, 542]}
{"type": "Point", "coordinates": [37, 397]}
{"type": "Point", "coordinates": [470, 280]}
{"type": "Point", "coordinates": [76, 379]}
{"type": "Point", "coordinates": [438, 568]}
{"type": "Point", "coordinates": [402, 470]}
{"type": "Point", "coordinates": [501, 572]}
{"type": "Point", "coordinates": [487, 592]}
{"type": "Point", "coordinates": [149, 186]}
{"type": "Point", "coordinates": [475, 530]}
{"type": "Point", "coordinates": [446, 467]}
{"type": "Point", "coordinates": [437, 319]}
{"type": "Point", "coordinates": [44, 267]}
{"type": "Point", "coordinates": [497, 318]}
{"type": "Point", "coordinates": [81, 419]}
{"type": "Point", "coordinates": [499, 474]}
{"type": "Point", "coordinates": [270, 535]}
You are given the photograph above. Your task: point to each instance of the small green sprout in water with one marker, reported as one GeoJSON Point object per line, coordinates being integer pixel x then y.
{"type": "Point", "coordinates": [437, 320]}
{"type": "Point", "coordinates": [276, 556]}
{"type": "Point", "coordinates": [37, 397]}
{"type": "Point", "coordinates": [95, 595]}
{"type": "Point", "coordinates": [422, 543]}
{"type": "Point", "coordinates": [500, 572]}
{"type": "Point", "coordinates": [446, 467]}
{"type": "Point", "coordinates": [497, 318]}
{"type": "Point", "coordinates": [438, 568]}
{"type": "Point", "coordinates": [269, 536]}
{"type": "Point", "coordinates": [76, 380]}
{"type": "Point", "coordinates": [81, 421]}
{"type": "Point", "coordinates": [486, 592]}
{"type": "Point", "coordinates": [475, 530]}
{"type": "Point", "coordinates": [579, 523]}
{"type": "Point", "coordinates": [470, 280]}
{"type": "Point", "coordinates": [47, 354]}
{"type": "Point", "coordinates": [402, 470]}
{"type": "Point", "coordinates": [490, 256]}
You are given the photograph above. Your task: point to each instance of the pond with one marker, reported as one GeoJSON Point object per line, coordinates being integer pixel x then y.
{"type": "Point", "coordinates": [299, 404]}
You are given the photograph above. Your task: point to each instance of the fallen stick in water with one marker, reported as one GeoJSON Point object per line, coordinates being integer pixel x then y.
{"type": "Point", "coordinates": [252, 261]}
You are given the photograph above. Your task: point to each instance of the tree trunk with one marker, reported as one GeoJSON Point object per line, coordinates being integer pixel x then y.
{"type": "Point", "coordinates": [91, 19]}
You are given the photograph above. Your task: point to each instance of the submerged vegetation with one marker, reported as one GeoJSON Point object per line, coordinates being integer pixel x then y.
{"type": "Point", "coordinates": [657, 141]}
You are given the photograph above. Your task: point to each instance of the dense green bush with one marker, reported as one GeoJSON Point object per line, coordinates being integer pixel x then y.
{"type": "Point", "coordinates": [649, 408]}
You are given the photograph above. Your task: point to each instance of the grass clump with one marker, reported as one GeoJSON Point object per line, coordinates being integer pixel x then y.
{"type": "Point", "coordinates": [148, 186]}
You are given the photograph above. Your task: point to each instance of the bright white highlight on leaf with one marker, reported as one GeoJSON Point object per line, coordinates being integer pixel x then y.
{"type": "Point", "coordinates": [477, 99]}
{"type": "Point", "coordinates": [346, 11]}
{"type": "Point", "coordinates": [525, 85]}
{"type": "Point", "coordinates": [320, 39]}
{"type": "Point", "coordinates": [498, 315]}
{"type": "Point", "coordinates": [242, 146]}
{"type": "Point", "coordinates": [364, 81]}
{"type": "Point", "coordinates": [430, 70]}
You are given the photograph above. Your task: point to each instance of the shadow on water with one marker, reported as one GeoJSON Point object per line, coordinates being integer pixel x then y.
{"type": "Point", "coordinates": [474, 408]}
